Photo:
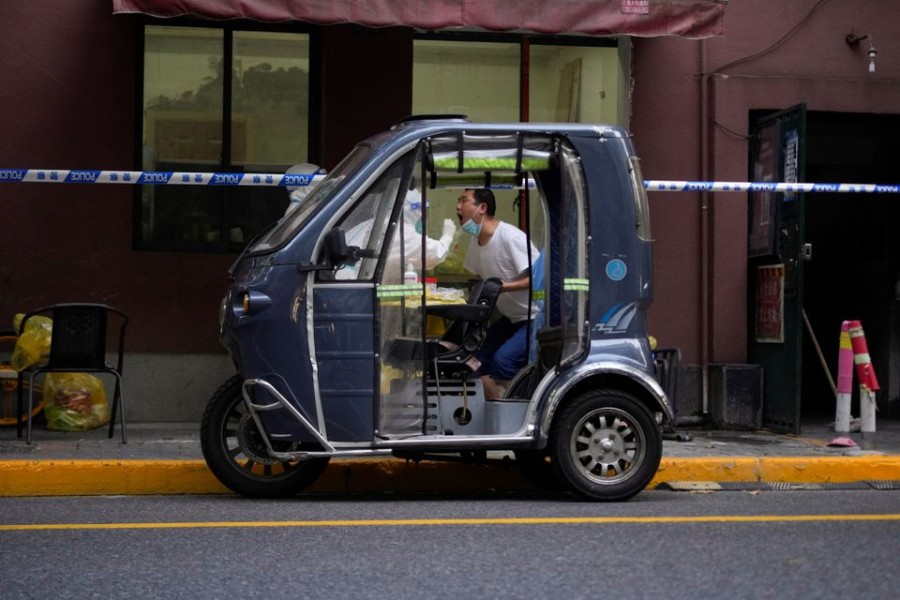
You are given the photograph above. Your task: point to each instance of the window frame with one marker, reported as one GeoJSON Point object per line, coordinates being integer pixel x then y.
{"type": "Point", "coordinates": [228, 28]}
{"type": "Point", "coordinates": [524, 42]}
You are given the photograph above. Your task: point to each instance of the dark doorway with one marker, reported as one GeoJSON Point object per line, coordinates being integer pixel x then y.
{"type": "Point", "coordinates": [855, 268]}
{"type": "Point", "coordinates": [775, 270]}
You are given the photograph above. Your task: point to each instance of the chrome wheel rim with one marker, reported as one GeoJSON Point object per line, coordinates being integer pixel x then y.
{"type": "Point", "coordinates": [246, 449]}
{"type": "Point", "coordinates": [607, 446]}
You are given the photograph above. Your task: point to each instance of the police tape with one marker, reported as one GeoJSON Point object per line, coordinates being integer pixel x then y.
{"type": "Point", "coordinates": [154, 177]}
{"type": "Point", "coordinates": [296, 180]}
{"type": "Point", "coordinates": [767, 186]}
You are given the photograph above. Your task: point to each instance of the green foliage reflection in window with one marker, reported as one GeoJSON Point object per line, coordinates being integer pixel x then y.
{"type": "Point", "coordinates": [189, 83]}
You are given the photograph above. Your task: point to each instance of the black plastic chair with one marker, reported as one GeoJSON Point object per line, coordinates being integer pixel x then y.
{"type": "Point", "coordinates": [77, 344]}
{"type": "Point", "coordinates": [667, 363]}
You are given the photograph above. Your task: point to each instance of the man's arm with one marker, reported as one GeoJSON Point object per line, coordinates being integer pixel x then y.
{"type": "Point", "coordinates": [519, 283]}
{"type": "Point", "coordinates": [518, 253]}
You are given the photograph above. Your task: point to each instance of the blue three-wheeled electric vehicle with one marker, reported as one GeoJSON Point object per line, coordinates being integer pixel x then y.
{"type": "Point", "coordinates": [351, 337]}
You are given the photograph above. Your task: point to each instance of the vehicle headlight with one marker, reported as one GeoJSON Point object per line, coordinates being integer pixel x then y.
{"type": "Point", "coordinates": [251, 302]}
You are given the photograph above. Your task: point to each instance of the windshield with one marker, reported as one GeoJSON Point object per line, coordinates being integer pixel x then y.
{"type": "Point", "coordinates": [291, 222]}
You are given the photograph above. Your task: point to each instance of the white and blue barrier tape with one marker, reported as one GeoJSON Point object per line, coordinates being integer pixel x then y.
{"type": "Point", "coordinates": [281, 179]}
{"type": "Point", "coordinates": [766, 186]}
{"type": "Point", "coordinates": [154, 177]}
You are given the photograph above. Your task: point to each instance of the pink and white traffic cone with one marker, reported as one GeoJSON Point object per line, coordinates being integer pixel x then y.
{"type": "Point", "coordinates": [868, 384]}
{"type": "Point", "coordinates": [844, 389]}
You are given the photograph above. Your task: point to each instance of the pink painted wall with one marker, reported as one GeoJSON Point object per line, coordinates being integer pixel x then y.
{"type": "Point", "coordinates": [758, 64]}
{"type": "Point", "coordinates": [67, 101]}
{"type": "Point", "coordinates": [665, 121]}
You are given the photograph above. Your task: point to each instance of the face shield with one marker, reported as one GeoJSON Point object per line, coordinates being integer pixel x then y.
{"type": "Point", "coordinates": [298, 193]}
{"type": "Point", "coordinates": [412, 209]}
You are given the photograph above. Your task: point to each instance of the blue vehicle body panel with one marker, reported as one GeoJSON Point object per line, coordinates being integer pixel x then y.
{"type": "Point", "coordinates": [344, 327]}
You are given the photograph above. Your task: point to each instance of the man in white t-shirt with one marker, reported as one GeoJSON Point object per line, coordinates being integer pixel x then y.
{"type": "Point", "coordinates": [500, 250]}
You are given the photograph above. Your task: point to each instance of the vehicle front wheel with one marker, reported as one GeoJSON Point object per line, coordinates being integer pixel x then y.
{"type": "Point", "coordinates": [606, 445]}
{"type": "Point", "coordinates": [236, 452]}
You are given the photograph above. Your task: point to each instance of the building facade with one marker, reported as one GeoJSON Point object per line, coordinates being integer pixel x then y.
{"type": "Point", "coordinates": [195, 85]}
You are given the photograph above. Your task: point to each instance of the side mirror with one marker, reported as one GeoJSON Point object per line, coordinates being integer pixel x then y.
{"type": "Point", "coordinates": [336, 249]}
{"type": "Point", "coordinates": [338, 253]}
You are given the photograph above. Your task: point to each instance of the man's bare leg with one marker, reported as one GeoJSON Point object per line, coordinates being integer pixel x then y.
{"type": "Point", "coordinates": [491, 391]}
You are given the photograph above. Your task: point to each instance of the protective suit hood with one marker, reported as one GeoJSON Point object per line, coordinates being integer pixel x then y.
{"type": "Point", "coordinates": [412, 207]}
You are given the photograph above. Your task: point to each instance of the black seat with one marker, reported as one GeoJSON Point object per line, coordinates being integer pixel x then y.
{"type": "Point", "coordinates": [77, 344]}
{"type": "Point", "coordinates": [455, 351]}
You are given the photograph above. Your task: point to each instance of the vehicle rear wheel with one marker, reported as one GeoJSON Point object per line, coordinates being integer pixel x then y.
{"type": "Point", "coordinates": [606, 445]}
{"type": "Point", "coordinates": [236, 452]}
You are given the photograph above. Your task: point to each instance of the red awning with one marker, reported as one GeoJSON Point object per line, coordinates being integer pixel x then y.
{"type": "Point", "coordinates": [648, 18]}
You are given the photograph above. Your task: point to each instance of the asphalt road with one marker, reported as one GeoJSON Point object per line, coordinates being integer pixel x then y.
{"type": "Point", "coordinates": [660, 544]}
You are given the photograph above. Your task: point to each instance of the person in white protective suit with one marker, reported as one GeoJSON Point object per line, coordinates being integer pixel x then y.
{"type": "Point", "coordinates": [298, 193]}
{"type": "Point", "coordinates": [436, 250]}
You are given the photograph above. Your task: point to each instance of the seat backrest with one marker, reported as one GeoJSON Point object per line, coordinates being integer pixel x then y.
{"type": "Point", "coordinates": [79, 336]}
{"type": "Point", "coordinates": [457, 329]}
{"type": "Point", "coordinates": [468, 334]}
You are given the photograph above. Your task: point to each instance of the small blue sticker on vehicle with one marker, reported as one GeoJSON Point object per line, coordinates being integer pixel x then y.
{"type": "Point", "coordinates": [616, 269]}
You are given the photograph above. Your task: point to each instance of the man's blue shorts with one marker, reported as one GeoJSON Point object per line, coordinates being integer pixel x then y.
{"type": "Point", "coordinates": [503, 352]}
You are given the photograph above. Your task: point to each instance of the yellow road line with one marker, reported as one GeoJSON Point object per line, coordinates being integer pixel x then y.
{"type": "Point", "coordinates": [437, 522]}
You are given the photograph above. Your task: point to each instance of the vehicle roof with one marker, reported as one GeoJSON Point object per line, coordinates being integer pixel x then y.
{"type": "Point", "coordinates": [420, 126]}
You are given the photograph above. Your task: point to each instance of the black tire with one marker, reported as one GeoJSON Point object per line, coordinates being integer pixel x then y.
{"type": "Point", "coordinates": [236, 453]}
{"type": "Point", "coordinates": [605, 445]}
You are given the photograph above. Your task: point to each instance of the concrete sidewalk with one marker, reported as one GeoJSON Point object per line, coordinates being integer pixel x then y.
{"type": "Point", "coordinates": [166, 459]}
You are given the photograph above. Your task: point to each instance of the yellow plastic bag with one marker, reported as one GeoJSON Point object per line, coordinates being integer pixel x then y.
{"type": "Point", "coordinates": [74, 402]}
{"type": "Point", "coordinates": [33, 346]}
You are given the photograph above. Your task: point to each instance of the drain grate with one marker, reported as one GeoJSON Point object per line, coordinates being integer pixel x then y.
{"type": "Point", "coordinates": [752, 486]}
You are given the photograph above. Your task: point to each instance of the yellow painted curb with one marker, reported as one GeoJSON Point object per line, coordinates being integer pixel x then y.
{"type": "Point", "coordinates": [105, 477]}
{"type": "Point", "coordinates": [151, 477]}
{"type": "Point", "coordinates": [832, 469]}
{"type": "Point", "coordinates": [706, 469]}
{"type": "Point", "coordinates": [790, 469]}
